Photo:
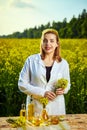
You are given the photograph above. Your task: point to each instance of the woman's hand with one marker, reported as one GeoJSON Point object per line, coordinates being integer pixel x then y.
{"type": "Point", "coordinates": [59, 91]}
{"type": "Point", "coordinates": [50, 95]}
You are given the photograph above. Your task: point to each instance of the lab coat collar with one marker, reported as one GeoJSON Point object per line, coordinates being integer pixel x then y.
{"type": "Point", "coordinates": [53, 70]}
{"type": "Point", "coordinates": [41, 62]}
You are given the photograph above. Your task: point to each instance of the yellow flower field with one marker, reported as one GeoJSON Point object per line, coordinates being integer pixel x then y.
{"type": "Point", "coordinates": [13, 53]}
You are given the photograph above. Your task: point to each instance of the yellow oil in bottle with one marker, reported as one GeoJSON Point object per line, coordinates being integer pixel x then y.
{"type": "Point", "coordinates": [44, 115]}
{"type": "Point", "coordinates": [23, 111]}
{"type": "Point", "coordinates": [30, 109]}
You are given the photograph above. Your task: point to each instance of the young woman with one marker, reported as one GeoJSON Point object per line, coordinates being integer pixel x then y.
{"type": "Point", "coordinates": [41, 71]}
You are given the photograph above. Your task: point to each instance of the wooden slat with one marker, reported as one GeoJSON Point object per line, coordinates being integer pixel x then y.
{"type": "Point", "coordinates": [75, 121]}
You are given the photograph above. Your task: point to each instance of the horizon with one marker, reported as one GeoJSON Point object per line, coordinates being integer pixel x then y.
{"type": "Point", "coordinates": [16, 16]}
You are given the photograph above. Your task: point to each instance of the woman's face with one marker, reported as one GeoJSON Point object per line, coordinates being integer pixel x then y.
{"type": "Point", "coordinates": [49, 43]}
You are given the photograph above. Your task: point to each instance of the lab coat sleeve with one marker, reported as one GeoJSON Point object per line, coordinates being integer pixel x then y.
{"type": "Point", "coordinates": [24, 83]}
{"type": "Point", "coordinates": [67, 76]}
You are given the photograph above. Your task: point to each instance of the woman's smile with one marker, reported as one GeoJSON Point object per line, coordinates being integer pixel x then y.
{"type": "Point", "coordinates": [47, 47]}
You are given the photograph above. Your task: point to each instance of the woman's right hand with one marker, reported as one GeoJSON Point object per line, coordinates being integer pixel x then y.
{"type": "Point", "coordinates": [59, 91]}
{"type": "Point", "coordinates": [50, 95]}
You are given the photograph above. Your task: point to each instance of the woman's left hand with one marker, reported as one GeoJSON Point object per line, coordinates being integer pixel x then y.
{"type": "Point", "coordinates": [50, 95]}
{"type": "Point", "coordinates": [59, 91]}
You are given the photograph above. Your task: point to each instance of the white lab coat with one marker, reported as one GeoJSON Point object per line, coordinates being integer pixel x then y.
{"type": "Point", "coordinates": [32, 80]}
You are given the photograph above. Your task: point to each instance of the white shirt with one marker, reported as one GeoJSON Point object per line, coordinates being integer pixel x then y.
{"type": "Point", "coordinates": [32, 80]}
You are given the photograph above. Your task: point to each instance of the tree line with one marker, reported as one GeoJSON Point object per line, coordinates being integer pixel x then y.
{"type": "Point", "coordinates": [75, 28]}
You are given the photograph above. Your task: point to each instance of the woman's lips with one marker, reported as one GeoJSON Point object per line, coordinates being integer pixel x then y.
{"type": "Point", "coordinates": [47, 48]}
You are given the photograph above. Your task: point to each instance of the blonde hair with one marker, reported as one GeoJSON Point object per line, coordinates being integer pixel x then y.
{"type": "Point", "coordinates": [57, 50]}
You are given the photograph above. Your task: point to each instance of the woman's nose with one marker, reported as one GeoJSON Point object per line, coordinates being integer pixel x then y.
{"type": "Point", "coordinates": [48, 42]}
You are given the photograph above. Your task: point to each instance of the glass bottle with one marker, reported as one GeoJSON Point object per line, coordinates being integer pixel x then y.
{"type": "Point", "coordinates": [23, 110]}
{"type": "Point", "coordinates": [30, 109]}
{"type": "Point", "coordinates": [44, 114]}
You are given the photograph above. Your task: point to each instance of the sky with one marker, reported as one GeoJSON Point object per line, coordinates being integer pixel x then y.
{"type": "Point", "coordinates": [18, 15]}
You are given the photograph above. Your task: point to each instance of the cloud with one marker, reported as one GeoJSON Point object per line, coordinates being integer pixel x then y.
{"type": "Point", "coordinates": [21, 4]}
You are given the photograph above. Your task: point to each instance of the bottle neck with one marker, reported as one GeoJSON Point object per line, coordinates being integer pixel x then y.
{"type": "Point", "coordinates": [23, 106]}
{"type": "Point", "coordinates": [31, 99]}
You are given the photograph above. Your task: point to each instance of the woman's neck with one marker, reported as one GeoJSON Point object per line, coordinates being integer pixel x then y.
{"type": "Point", "coordinates": [48, 61]}
{"type": "Point", "coordinates": [49, 56]}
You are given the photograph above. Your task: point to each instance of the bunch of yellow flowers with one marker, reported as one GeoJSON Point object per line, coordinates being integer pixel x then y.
{"type": "Point", "coordinates": [19, 122]}
{"type": "Point", "coordinates": [44, 101]}
{"type": "Point", "coordinates": [61, 83]}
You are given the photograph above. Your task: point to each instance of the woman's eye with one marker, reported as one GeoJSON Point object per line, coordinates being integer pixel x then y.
{"type": "Point", "coordinates": [45, 41]}
{"type": "Point", "coordinates": [52, 41]}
